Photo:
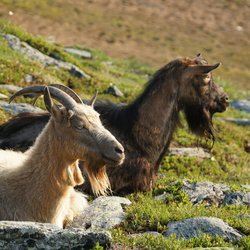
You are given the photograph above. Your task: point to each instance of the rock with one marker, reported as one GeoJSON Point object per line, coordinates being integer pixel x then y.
{"type": "Point", "coordinates": [79, 52]}
{"type": "Point", "coordinates": [105, 212]}
{"type": "Point", "coordinates": [238, 121]}
{"type": "Point", "coordinates": [211, 194]}
{"type": "Point", "coordinates": [246, 186]}
{"type": "Point", "coordinates": [243, 105]}
{"type": "Point", "coordinates": [193, 227]}
{"type": "Point", "coordinates": [113, 90]}
{"type": "Point", "coordinates": [29, 78]}
{"type": "Point", "coordinates": [162, 197]}
{"type": "Point", "coordinates": [237, 198]}
{"type": "Point", "coordinates": [193, 152]}
{"type": "Point", "coordinates": [15, 108]}
{"type": "Point", "coordinates": [206, 192]}
{"type": "Point", "coordinates": [32, 235]}
{"type": "Point", "coordinates": [9, 87]}
{"type": "Point", "coordinates": [153, 233]}
{"type": "Point", "coordinates": [34, 54]}
{"type": "Point", "coordinates": [3, 97]}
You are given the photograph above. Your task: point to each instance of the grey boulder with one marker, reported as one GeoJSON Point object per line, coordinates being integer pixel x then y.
{"type": "Point", "coordinates": [32, 235]}
{"type": "Point", "coordinates": [16, 108]}
{"type": "Point", "coordinates": [104, 213]}
{"type": "Point", "coordinates": [34, 54]}
{"type": "Point", "coordinates": [194, 227]}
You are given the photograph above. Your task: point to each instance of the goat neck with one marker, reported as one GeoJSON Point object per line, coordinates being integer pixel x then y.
{"type": "Point", "coordinates": [157, 112]}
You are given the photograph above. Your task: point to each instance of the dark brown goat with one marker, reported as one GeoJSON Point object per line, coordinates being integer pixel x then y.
{"type": "Point", "coordinates": [144, 127]}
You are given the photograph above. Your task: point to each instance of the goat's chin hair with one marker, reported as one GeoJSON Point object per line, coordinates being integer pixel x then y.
{"type": "Point", "coordinates": [99, 180]}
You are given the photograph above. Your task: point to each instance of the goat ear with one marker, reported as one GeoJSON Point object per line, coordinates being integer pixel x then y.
{"type": "Point", "coordinates": [93, 99]}
{"type": "Point", "coordinates": [50, 106]}
{"type": "Point", "coordinates": [203, 69]}
{"type": "Point", "coordinates": [74, 175]}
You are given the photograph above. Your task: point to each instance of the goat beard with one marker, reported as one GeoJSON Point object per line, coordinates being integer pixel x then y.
{"type": "Point", "coordinates": [199, 120]}
{"type": "Point", "coordinates": [98, 178]}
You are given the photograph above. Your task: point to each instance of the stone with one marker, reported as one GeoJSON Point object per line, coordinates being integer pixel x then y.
{"type": "Point", "coordinates": [237, 198]}
{"type": "Point", "coordinates": [15, 235]}
{"type": "Point", "coordinates": [29, 78]}
{"type": "Point", "coordinates": [3, 97]}
{"type": "Point", "coordinates": [246, 186]}
{"type": "Point", "coordinates": [238, 121]}
{"type": "Point", "coordinates": [153, 233]}
{"type": "Point", "coordinates": [206, 192]}
{"type": "Point", "coordinates": [192, 152]}
{"type": "Point", "coordinates": [79, 52]}
{"type": "Point", "coordinates": [243, 105]}
{"type": "Point", "coordinates": [113, 90]}
{"type": "Point", "coordinates": [104, 213]}
{"type": "Point", "coordinates": [16, 108]}
{"type": "Point", "coordinates": [34, 54]}
{"type": "Point", "coordinates": [10, 87]}
{"type": "Point", "coordinates": [162, 197]}
{"type": "Point", "coordinates": [193, 227]}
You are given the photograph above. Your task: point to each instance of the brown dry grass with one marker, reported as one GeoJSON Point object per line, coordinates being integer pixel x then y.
{"type": "Point", "coordinates": [153, 31]}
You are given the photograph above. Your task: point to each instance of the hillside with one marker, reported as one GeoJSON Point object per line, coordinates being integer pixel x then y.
{"type": "Point", "coordinates": [153, 31]}
{"type": "Point", "coordinates": [228, 164]}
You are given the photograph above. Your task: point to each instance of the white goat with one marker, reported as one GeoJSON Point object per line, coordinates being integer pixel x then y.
{"type": "Point", "coordinates": [38, 185]}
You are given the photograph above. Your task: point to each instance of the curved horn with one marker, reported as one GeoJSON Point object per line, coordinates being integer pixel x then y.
{"type": "Point", "coordinates": [66, 100]}
{"type": "Point", "coordinates": [203, 69]}
{"type": "Point", "coordinates": [69, 91]}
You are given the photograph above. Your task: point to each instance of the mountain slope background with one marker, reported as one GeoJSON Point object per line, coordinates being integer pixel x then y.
{"type": "Point", "coordinates": [131, 32]}
{"type": "Point", "coordinates": [153, 31]}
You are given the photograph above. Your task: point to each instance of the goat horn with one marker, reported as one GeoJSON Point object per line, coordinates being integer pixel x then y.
{"type": "Point", "coordinates": [35, 99]}
{"type": "Point", "coordinates": [203, 69]}
{"type": "Point", "coordinates": [69, 91]}
{"type": "Point", "coordinates": [66, 100]}
{"type": "Point", "coordinates": [93, 99]}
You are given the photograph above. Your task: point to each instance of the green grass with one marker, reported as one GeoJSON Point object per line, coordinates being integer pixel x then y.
{"type": "Point", "coordinates": [229, 163]}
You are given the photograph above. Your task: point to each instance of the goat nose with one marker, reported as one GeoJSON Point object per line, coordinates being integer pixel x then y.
{"type": "Point", "coordinates": [225, 98]}
{"type": "Point", "coordinates": [118, 150]}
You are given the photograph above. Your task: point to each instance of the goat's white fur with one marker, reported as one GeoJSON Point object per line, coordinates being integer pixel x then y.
{"type": "Point", "coordinates": [37, 186]}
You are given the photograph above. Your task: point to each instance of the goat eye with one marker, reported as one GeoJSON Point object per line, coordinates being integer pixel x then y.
{"type": "Point", "coordinates": [206, 79]}
{"type": "Point", "coordinates": [79, 127]}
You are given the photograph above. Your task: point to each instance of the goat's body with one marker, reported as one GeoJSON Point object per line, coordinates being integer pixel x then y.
{"type": "Point", "coordinates": [33, 186]}
{"type": "Point", "coordinates": [145, 127]}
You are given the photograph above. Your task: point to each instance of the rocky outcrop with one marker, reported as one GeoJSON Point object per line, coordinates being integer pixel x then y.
{"type": "Point", "coordinates": [191, 152]}
{"type": "Point", "coordinates": [243, 105]}
{"type": "Point", "coordinates": [211, 194]}
{"type": "Point", "coordinates": [215, 194]}
{"type": "Point", "coordinates": [105, 212]}
{"type": "Point", "coordinates": [32, 235]}
{"type": "Point", "coordinates": [34, 54]}
{"type": "Point", "coordinates": [207, 192]}
{"type": "Point", "coordinates": [194, 227]}
{"type": "Point", "coordinates": [113, 90]}
{"type": "Point", "coordinates": [10, 87]}
{"type": "Point", "coordinates": [16, 108]}
{"type": "Point", "coordinates": [79, 52]}
{"type": "Point", "coordinates": [238, 121]}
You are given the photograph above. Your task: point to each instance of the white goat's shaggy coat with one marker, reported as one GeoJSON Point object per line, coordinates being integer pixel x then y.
{"type": "Point", "coordinates": [33, 191]}
{"type": "Point", "coordinates": [38, 185]}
